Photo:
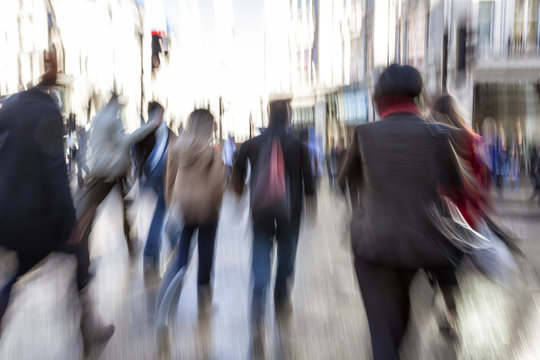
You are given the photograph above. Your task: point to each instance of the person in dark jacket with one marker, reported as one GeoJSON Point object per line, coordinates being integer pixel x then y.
{"type": "Point", "coordinates": [397, 164]}
{"type": "Point", "coordinates": [284, 228]}
{"type": "Point", "coordinates": [36, 209]}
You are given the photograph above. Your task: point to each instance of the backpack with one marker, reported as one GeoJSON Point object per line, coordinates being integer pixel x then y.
{"type": "Point", "coordinates": [270, 196]}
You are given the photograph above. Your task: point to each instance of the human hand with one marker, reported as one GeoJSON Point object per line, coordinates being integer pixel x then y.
{"type": "Point", "coordinates": [156, 117]}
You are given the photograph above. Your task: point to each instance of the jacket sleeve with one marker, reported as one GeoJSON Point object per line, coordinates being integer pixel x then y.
{"type": "Point", "coordinates": [49, 135]}
{"type": "Point", "coordinates": [239, 169]}
{"type": "Point", "coordinates": [307, 171]}
{"type": "Point", "coordinates": [142, 132]}
{"type": "Point", "coordinates": [351, 169]}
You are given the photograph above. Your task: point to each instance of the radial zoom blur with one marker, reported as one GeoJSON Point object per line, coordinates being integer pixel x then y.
{"type": "Point", "coordinates": [269, 179]}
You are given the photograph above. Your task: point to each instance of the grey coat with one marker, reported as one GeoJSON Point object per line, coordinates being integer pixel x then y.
{"type": "Point", "coordinates": [397, 165]}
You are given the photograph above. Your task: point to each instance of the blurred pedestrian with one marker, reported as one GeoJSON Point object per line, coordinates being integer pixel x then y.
{"type": "Point", "coordinates": [396, 164]}
{"type": "Point", "coordinates": [534, 164]}
{"type": "Point", "coordinates": [82, 139]}
{"type": "Point", "coordinates": [228, 155]}
{"type": "Point", "coordinates": [195, 183]}
{"type": "Point", "coordinates": [109, 163]}
{"type": "Point", "coordinates": [36, 210]}
{"type": "Point", "coordinates": [154, 171]}
{"type": "Point", "coordinates": [281, 175]}
{"type": "Point", "coordinates": [472, 199]}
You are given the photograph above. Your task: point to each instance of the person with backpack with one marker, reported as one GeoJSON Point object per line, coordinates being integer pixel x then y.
{"type": "Point", "coordinates": [281, 175]}
{"type": "Point", "coordinates": [194, 187]}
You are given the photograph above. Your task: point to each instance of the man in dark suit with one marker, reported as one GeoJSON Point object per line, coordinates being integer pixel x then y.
{"type": "Point", "coordinates": [397, 165]}
{"type": "Point", "coordinates": [36, 209]}
{"type": "Point", "coordinates": [285, 228]}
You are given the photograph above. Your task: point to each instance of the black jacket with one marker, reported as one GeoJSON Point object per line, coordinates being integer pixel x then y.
{"type": "Point", "coordinates": [36, 208]}
{"type": "Point", "coordinates": [297, 166]}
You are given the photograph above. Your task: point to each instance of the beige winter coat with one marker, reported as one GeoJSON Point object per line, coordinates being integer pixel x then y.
{"type": "Point", "coordinates": [195, 180]}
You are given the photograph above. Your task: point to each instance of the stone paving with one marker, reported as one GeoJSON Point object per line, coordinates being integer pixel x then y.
{"type": "Point", "coordinates": [328, 320]}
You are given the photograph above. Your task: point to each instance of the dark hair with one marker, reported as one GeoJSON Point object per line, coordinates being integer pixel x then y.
{"type": "Point", "coordinates": [279, 114]}
{"type": "Point", "coordinates": [401, 80]}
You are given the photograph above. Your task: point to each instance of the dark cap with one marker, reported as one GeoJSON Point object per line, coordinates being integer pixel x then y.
{"type": "Point", "coordinates": [399, 80]}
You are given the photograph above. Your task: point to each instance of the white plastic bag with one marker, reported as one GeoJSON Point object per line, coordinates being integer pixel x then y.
{"type": "Point", "coordinates": [496, 261]}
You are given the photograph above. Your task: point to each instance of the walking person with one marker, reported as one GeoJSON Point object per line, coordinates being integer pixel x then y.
{"type": "Point", "coordinates": [195, 183]}
{"type": "Point", "coordinates": [81, 156]}
{"type": "Point", "coordinates": [281, 163]}
{"type": "Point", "coordinates": [534, 173]}
{"type": "Point", "coordinates": [154, 170]}
{"type": "Point", "coordinates": [36, 209]}
{"type": "Point", "coordinates": [397, 165]}
{"type": "Point", "coordinates": [472, 201]}
{"type": "Point", "coordinates": [109, 163]}
{"type": "Point", "coordinates": [228, 155]}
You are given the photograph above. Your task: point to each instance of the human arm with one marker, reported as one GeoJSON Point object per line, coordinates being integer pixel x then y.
{"type": "Point", "coordinates": [153, 123]}
{"type": "Point", "coordinates": [239, 169]}
{"type": "Point", "coordinates": [351, 168]}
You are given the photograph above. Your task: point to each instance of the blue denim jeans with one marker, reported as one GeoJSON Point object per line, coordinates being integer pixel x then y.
{"type": "Point", "coordinates": [206, 246]}
{"type": "Point", "coordinates": [152, 249]}
{"type": "Point", "coordinates": [286, 234]}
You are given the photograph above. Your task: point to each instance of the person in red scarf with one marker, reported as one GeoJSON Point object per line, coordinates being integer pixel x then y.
{"type": "Point", "coordinates": [396, 165]}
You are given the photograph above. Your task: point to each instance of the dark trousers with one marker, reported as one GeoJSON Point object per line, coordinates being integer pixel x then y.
{"type": "Point", "coordinates": [95, 191]}
{"type": "Point", "coordinates": [385, 291]}
{"type": "Point", "coordinates": [28, 260]}
{"type": "Point", "coordinates": [206, 246]}
{"type": "Point", "coordinates": [286, 235]}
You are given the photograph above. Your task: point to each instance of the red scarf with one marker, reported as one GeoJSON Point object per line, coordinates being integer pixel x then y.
{"type": "Point", "coordinates": [394, 104]}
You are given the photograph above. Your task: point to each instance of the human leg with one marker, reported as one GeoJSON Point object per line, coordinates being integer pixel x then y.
{"type": "Point", "coordinates": [385, 291]}
{"type": "Point", "coordinates": [26, 261]}
{"type": "Point", "coordinates": [206, 246]}
{"type": "Point", "coordinates": [126, 204]}
{"type": "Point", "coordinates": [152, 248]}
{"type": "Point", "coordinates": [263, 234]}
{"type": "Point", "coordinates": [287, 243]}
{"type": "Point", "coordinates": [180, 257]}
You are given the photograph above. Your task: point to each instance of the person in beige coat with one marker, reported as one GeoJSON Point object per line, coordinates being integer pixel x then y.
{"type": "Point", "coordinates": [194, 187]}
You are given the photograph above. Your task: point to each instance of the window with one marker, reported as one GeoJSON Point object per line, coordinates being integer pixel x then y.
{"type": "Point", "coordinates": [485, 12]}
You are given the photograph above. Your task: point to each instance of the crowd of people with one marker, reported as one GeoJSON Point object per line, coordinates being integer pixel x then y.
{"type": "Point", "coordinates": [418, 187]}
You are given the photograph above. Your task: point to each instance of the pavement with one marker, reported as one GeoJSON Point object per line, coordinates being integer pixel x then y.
{"type": "Point", "coordinates": [497, 321]}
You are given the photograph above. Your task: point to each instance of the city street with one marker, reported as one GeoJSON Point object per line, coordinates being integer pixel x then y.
{"type": "Point", "coordinates": [328, 320]}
